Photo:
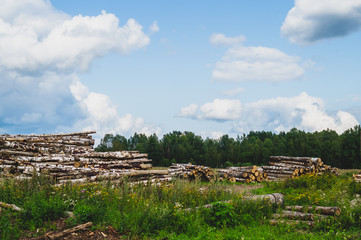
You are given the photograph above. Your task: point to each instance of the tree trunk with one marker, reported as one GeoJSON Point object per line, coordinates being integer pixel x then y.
{"type": "Point", "coordinates": [333, 211]}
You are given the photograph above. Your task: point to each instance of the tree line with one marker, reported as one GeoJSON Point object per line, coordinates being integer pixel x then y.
{"type": "Point", "coordinates": [255, 148]}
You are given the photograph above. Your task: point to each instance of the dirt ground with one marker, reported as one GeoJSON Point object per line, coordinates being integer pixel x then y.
{"type": "Point", "coordinates": [87, 233]}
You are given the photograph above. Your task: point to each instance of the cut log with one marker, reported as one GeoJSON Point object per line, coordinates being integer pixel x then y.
{"type": "Point", "coordinates": [333, 211]}
{"type": "Point", "coordinates": [275, 198]}
{"type": "Point", "coordinates": [67, 231]}
{"type": "Point", "coordinates": [11, 206]}
{"type": "Point", "coordinates": [11, 152]}
{"type": "Point", "coordinates": [291, 222]}
{"type": "Point", "coordinates": [294, 215]}
{"type": "Point", "coordinates": [297, 159]}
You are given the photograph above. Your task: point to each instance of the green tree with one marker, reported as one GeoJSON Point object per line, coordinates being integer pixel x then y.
{"type": "Point", "coordinates": [154, 150]}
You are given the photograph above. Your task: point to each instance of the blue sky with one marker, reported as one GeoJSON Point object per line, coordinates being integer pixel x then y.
{"type": "Point", "coordinates": [210, 67]}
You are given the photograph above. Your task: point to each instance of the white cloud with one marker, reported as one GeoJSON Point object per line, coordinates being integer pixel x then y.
{"type": "Point", "coordinates": [241, 63]}
{"type": "Point", "coordinates": [218, 110]}
{"type": "Point", "coordinates": [303, 112]}
{"type": "Point", "coordinates": [41, 50]}
{"type": "Point", "coordinates": [103, 116]}
{"type": "Point", "coordinates": [221, 109]}
{"type": "Point", "coordinates": [188, 111]}
{"type": "Point", "coordinates": [233, 92]}
{"type": "Point", "coordinates": [221, 39]}
{"type": "Point", "coordinates": [67, 45]}
{"type": "Point", "coordinates": [211, 134]}
{"type": "Point", "coordinates": [154, 27]}
{"type": "Point", "coordinates": [310, 21]}
{"type": "Point", "coordinates": [276, 114]}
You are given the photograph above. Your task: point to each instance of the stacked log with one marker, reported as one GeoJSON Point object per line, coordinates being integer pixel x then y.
{"type": "Point", "coordinates": [70, 157]}
{"type": "Point", "coordinates": [243, 174]}
{"type": "Point", "coordinates": [191, 172]}
{"type": "Point", "coordinates": [357, 177]}
{"type": "Point", "coordinates": [71, 143]}
{"type": "Point", "coordinates": [306, 215]}
{"type": "Point", "coordinates": [282, 167]}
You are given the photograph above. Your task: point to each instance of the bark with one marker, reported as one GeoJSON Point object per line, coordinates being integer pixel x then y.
{"type": "Point", "coordinates": [67, 231]}
{"type": "Point", "coordinates": [114, 155]}
{"type": "Point", "coordinates": [291, 222]}
{"type": "Point", "coordinates": [288, 172]}
{"type": "Point", "coordinates": [333, 211]}
{"type": "Point", "coordinates": [297, 159]}
{"type": "Point", "coordinates": [295, 215]}
{"type": "Point", "coordinates": [11, 206]}
{"type": "Point", "coordinates": [280, 166]}
{"type": "Point", "coordinates": [274, 198]}
{"type": "Point", "coordinates": [12, 152]}
{"type": "Point", "coordinates": [301, 164]}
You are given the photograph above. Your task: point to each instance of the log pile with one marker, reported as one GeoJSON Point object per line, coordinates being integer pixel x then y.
{"type": "Point", "coordinates": [69, 143]}
{"type": "Point", "coordinates": [243, 174]}
{"type": "Point", "coordinates": [306, 215]}
{"type": "Point", "coordinates": [357, 177]}
{"type": "Point", "coordinates": [282, 167]}
{"type": "Point", "coordinates": [191, 172]}
{"type": "Point", "coordinates": [70, 157]}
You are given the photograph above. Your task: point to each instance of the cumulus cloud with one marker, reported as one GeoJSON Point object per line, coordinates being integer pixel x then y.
{"type": "Point", "coordinates": [102, 115]}
{"type": "Point", "coordinates": [221, 39]}
{"type": "Point", "coordinates": [302, 111]}
{"type": "Point", "coordinates": [218, 110]}
{"type": "Point", "coordinates": [188, 111]}
{"type": "Point", "coordinates": [68, 45]}
{"type": "Point", "coordinates": [244, 63]}
{"type": "Point", "coordinates": [310, 21]}
{"type": "Point", "coordinates": [41, 50]}
{"type": "Point", "coordinates": [277, 114]}
{"type": "Point", "coordinates": [221, 110]}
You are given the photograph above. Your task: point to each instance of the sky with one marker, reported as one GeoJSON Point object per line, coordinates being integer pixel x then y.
{"type": "Point", "coordinates": [209, 67]}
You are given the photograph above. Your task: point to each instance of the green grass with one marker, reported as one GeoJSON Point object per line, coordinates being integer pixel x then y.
{"type": "Point", "coordinates": [156, 212]}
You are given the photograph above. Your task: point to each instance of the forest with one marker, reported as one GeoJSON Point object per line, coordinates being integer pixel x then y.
{"type": "Point", "coordinates": [255, 148]}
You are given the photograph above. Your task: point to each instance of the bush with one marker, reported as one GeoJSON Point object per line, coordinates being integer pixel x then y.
{"type": "Point", "coordinates": [221, 215]}
{"type": "Point", "coordinates": [39, 208]}
{"type": "Point", "coordinates": [228, 164]}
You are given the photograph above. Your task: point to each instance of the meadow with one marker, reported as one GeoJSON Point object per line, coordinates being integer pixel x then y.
{"type": "Point", "coordinates": [171, 210]}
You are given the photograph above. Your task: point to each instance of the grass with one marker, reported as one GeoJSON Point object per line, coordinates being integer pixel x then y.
{"type": "Point", "coordinates": [156, 212]}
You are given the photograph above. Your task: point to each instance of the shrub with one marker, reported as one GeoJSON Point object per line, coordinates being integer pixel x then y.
{"type": "Point", "coordinates": [221, 215]}
{"type": "Point", "coordinates": [39, 208]}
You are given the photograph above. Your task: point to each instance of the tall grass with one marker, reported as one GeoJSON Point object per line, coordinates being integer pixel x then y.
{"type": "Point", "coordinates": [135, 210]}
{"type": "Point", "coordinates": [324, 190]}
{"type": "Point", "coordinates": [158, 211]}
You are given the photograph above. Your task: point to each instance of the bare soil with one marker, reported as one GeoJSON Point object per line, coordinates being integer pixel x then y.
{"type": "Point", "coordinates": [109, 233]}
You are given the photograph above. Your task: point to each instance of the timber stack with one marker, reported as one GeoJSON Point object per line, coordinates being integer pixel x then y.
{"type": "Point", "coordinates": [357, 177]}
{"type": "Point", "coordinates": [71, 157]}
{"type": "Point", "coordinates": [191, 172]}
{"type": "Point", "coordinates": [282, 167]}
{"type": "Point", "coordinates": [243, 174]}
{"type": "Point", "coordinates": [45, 144]}
{"type": "Point", "coordinates": [305, 215]}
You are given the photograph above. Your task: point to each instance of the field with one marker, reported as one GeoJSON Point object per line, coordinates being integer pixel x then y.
{"type": "Point", "coordinates": [173, 210]}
